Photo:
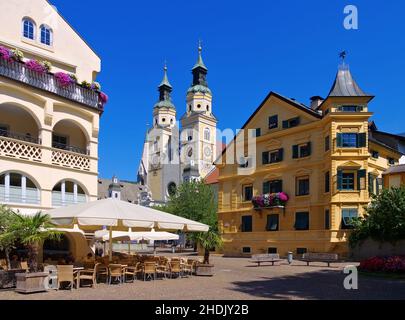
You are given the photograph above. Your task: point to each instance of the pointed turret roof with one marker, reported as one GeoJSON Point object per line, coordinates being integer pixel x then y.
{"type": "Point", "coordinates": [345, 85]}
{"type": "Point", "coordinates": [200, 62]}
{"type": "Point", "coordinates": [165, 89]}
{"type": "Point", "coordinates": [165, 81]}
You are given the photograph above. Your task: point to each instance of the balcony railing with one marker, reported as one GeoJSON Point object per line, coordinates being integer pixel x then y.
{"type": "Point", "coordinates": [19, 136]}
{"type": "Point", "coordinates": [69, 148]}
{"type": "Point", "coordinates": [69, 198]}
{"type": "Point", "coordinates": [16, 194]}
{"type": "Point", "coordinates": [47, 82]}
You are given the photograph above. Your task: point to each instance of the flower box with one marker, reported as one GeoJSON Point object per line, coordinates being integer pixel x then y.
{"type": "Point", "coordinates": [270, 200]}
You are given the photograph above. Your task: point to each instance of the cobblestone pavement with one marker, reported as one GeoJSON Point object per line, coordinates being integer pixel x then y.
{"type": "Point", "coordinates": [236, 278]}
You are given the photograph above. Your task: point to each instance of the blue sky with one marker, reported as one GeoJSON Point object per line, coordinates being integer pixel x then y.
{"type": "Point", "coordinates": [250, 48]}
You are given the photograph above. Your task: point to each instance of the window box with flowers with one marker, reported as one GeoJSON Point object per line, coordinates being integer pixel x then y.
{"type": "Point", "coordinates": [270, 200]}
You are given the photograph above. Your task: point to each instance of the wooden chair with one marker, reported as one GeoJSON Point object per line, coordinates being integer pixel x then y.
{"type": "Point", "coordinates": [188, 267]}
{"type": "Point", "coordinates": [149, 270]}
{"type": "Point", "coordinates": [131, 271]}
{"type": "Point", "coordinates": [114, 272]}
{"type": "Point", "coordinates": [162, 268]}
{"type": "Point", "coordinates": [65, 274]}
{"type": "Point", "coordinates": [101, 270]}
{"type": "Point", "coordinates": [175, 268]}
{"type": "Point", "coordinates": [88, 274]}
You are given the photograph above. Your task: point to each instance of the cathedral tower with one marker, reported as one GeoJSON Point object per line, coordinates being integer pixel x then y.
{"type": "Point", "coordinates": [198, 137]}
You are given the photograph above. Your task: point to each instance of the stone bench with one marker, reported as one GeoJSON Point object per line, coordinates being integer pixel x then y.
{"type": "Point", "coordinates": [320, 257]}
{"type": "Point", "coordinates": [262, 258]}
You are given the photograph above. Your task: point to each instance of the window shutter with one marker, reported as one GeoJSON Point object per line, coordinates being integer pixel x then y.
{"type": "Point", "coordinates": [339, 179]}
{"type": "Point", "coordinates": [361, 179]}
{"type": "Point", "coordinates": [295, 151]}
{"type": "Point", "coordinates": [339, 140]}
{"type": "Point", "coordinates": [281, 154]}
{"type": "Point", "coordinates": [265, 157]}
{"type": "Point", "coordinates": [285, 124]}
{"type": "Point", "coordinates": [266, 187]}
{"type": "Point", "coordinates": [362, 140]}
{"type": "Point", "coordinates": [309, 148]}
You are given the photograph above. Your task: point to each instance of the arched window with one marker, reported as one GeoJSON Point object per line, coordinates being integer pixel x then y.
{"type": "Point", "coordinates": [28, 29]}
{"type": "Point", "coordinates": [46, 35]}
{"type": "Point", "coordinates": [171, 189]}
{"type": "Point", "coordinates": [17, 188]}
{"type": "Point", "coordinates": [208, 108]}
{"type": "Point", "coordinates": [66, 193]}
{"type": "Point", "coordinates": [207, 134]}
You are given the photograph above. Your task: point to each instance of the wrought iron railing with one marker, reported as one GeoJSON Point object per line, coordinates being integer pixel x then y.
{"type": "Point", "coordinates": [19, 136]}
{"type": "Point", "coordinates": [69, 148]}
{"type": "Point", "coordinates": [46, 81]}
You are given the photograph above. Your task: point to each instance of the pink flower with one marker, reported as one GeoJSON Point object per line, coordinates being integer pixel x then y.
{"type": "Point", "coordinates": [63, 79]}
{"type": "Point", "coordinates": [5, 53]}
{"type": "Point", "coordinates": [103, 97]}
{"type": "Point", "coordinates": [283, 196]}
{"type": "Point", "coordinates": [35, 66]}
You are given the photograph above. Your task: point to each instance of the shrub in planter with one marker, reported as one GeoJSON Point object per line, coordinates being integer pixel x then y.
{"type": "Point", "coordinates": [47, 66]}
{"type": "Point", "coordinates": [36, 66]}
{"type": "Point", "coordinates": [96, 86]}
{"type": "Point", "coordinates": [18, 55]}
{"type": "Point", "coordinates": [63, 79]}
{"type": "Point", "coordinates": [73, 77]}
{"type": "Point", "coordinates": [86, 84]}
{"type": "Point", "coordinates": [5, 53]}
{"type": "Point", "coordinates": [270, 200]}
{"type": "Point", "coordinates": [103, 97]}
{"type": "Point", "coordinates": [393, 264]}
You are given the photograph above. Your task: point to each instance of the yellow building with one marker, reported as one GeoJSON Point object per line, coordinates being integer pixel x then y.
{"type": "Point", "coordinates": [394, 177]}
{"type": "Point", "coordinates": [324, 157]}
{"type": "Point", "coordinates": [48, 128]}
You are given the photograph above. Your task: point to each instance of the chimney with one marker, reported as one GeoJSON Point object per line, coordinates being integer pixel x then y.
{"type": "Point", "coordinates": [316, 102]}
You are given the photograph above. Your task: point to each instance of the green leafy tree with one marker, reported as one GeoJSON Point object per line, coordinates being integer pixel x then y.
{"type": "Point", "coordinates": [196, 201]}
{"type": "Point", "coordinates": [32, 231]}
{"type": "Point", "coordinates": [384, 220]}
{"type": "Point", "coordinates": [7, 238]}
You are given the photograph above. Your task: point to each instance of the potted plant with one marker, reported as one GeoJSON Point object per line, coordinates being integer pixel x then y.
{"type": "Point", "coordinates": [196, 200]}
{"type": "Point", "coordinates": [207, 240]}
{"type": "Point", "coordinates": [7, 241]}
{"type": "Point", "coordinates": [32, 231]}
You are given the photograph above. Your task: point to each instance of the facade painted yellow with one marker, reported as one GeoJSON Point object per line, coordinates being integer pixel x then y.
{"type": "Point", "coordinates": [326, 202]}
{"type": "Point", "coordinates": [48, 137]}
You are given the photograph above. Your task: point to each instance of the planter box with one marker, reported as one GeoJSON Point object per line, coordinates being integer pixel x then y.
{"type": "Point", "coordinates": [31, 282]}
{"type": "Point", "coordinates": [8, 278]}
{"type": "Point", "coordinates": [206, 270]}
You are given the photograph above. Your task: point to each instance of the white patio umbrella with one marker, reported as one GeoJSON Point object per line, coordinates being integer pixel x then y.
{"type": "Point", "coordinates": [115, 213]}
{"type": "Point", "coordinates": [129, 236]}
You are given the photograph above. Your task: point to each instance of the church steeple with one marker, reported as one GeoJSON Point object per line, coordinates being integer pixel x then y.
{"type": "Point", "coordinates": [199, 72]}
{"type": "Point", "coordinates": [165, 90]}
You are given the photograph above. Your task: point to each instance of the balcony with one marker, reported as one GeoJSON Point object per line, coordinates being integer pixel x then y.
{"type": "Point", "coordinates": [66, 147]}
{"type": "Point", "coordinates": [19, 72]}
{"type": "Point", "coordinates": [18, 146]}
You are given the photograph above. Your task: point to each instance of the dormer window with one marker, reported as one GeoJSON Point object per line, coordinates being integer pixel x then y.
{"type": "Point", "coordinates": [28, 29]}
{"type": "Point", "coordinates": [46, 35]}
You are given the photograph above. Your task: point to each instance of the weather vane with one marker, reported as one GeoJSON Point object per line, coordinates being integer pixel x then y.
{"type": "Point", "coordinates": [342, 55]}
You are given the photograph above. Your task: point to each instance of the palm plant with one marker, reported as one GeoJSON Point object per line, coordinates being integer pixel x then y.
{"type": "Point", "coordinates": [208, 240]}
{"type": "Point", "coordinates": [32, 231]}
{"type": "Point", "coordinates": [7, 238]}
